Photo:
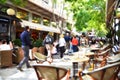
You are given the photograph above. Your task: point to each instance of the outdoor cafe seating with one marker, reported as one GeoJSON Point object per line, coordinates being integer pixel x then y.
{"type": "Point", "coordinates": [101, 57]}
{"type": "Point", "coordinates": [85, 59]}
{"type": "Point", "coordinates": [113, 59]}
{"type": "Point", "coordinates": [107, 72]}
{"type": "Point", "coordinates": [40, 58]}
{"type": "Point", "coordinates": [49, 72]}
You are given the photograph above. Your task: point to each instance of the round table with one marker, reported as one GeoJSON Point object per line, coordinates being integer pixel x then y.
{"type": "Point", "coordinates": [75, 61]}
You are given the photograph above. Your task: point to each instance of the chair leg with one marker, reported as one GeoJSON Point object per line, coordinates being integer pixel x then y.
{"type": "Point", "coordinates": [79, 74]}
{"type": "Point", "coordinates": [103, 63]}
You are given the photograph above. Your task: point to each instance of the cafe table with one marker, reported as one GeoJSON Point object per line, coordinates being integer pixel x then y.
{"type": "Point", "coordinates": [75, 60]}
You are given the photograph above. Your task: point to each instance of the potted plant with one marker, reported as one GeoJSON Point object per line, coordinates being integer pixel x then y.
{"type": "Point", "coordinates": [38, 47]}
{"type": "Point", "coordinates": [37, 43]}
{"type": "Point", "coordinates": [19, 52]}
{"type": "Point", "coordinates": [17, 42]}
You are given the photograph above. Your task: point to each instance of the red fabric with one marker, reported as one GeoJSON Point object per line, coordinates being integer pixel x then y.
{"type": "Point", "coordinates": [74, 41]}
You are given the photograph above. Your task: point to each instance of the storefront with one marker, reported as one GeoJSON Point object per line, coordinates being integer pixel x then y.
{"type": "Point", "coordinates": [7, 24]}
{"type": "Point", "coordinates": [41, 29]}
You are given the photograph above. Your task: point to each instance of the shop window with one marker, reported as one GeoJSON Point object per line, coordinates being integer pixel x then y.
{"type": "Point", "coordinates": [4, 31]}
{"type": "Point", "coordinates": [54, 24]}
{"type": "Point", "coordinates": [36, 19]}
{"type": "Point", "coordinates": [3, 28]}
{"type": "Point", "coordinates": [46, 22]}
{"type": "Point", "coordinates": [22, 14]}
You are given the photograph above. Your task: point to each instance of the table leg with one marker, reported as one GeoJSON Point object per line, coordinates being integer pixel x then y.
{"type": "Point", "coordinates": [84, 64]}
{"type": "Point", "coordinates": [75, 69]}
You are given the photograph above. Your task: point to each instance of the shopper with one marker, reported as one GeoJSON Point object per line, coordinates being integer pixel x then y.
{"type": "Point", "coordinates": [48, 42]}
{"type": "Point", "coordinates": [25, 38]}
{"type": "Point", "coordinates": [67, 38]}
{"type": "Point", "coordinates": [62, 44]}
{"type": "Point", "coordinates": [74, 44]}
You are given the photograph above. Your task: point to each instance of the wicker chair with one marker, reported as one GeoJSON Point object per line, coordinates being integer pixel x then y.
{"type": "Point", "coordinates": [40, 58]}
{"type": "Point", "coordinates": [101, 57]}
{"type": "Point", "coordinates": [105, 47]}
{"type": "Point", "coordinates": [48, 72]}
{"type": "Point", "coordinates": [5, 58]}
{"type": "Point", "coordinates": [108, 72]}
{"type": "Point", "coordinates": [113, 59]}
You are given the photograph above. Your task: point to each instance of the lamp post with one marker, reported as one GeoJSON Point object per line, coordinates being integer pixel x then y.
{"type": "Point", "coordinates": [10, 12]}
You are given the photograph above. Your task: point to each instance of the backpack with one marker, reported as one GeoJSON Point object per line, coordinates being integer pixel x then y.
{"type": "Point", "coordinates": [48, 40]}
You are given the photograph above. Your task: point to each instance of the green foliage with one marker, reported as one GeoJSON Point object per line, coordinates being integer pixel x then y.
{"type": "Point", "coordinates": [21, 3]}
{"type": "Point", "coordinates": [109, 34]}
{"type": "Point", "coordinates": [89, 14]}
{"type": "Point", "coordinates": [69, 26]}
{"type": "Point", "coordinates": [2, 1]}
{"type": "Point", "coordinates": [38, 43]}
{"type": "Point", "coordinates": [118, 33]}
{"type": "Point", "coordinates": [17, 42]}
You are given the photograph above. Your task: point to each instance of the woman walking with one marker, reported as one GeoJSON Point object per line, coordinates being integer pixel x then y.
{"type": "Point", "coordinates": [62, 45]}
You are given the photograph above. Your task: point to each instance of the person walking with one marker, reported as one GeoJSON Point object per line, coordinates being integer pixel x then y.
{"type": "Point", "coordinates": [25, 39]}
{"type": "Point", "coordinates": [67, 38]}
{"type": "Point", "coordinates": [62, 44]}
{"type": "Point", "coordinates": [74, 44]}
{"type": "Point", "coordinates": [48, 42]}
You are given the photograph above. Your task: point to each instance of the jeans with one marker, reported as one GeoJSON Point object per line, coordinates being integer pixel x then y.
{"type": "Point", "coordinates": [26, 57]}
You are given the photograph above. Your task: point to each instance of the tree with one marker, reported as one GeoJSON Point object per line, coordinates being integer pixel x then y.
{"type": "Point", "coordinates": [57, 18]}
{"type": "Point", "coordinates": [21, 3]}
{"type": "Point", "coordinates": [89, 14]}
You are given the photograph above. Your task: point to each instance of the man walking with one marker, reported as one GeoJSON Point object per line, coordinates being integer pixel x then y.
{"type": "Point", "coordinates": [25, 38]}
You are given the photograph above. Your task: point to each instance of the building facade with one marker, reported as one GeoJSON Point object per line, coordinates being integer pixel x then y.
{"type": "Point", "coordinates": [42, 16]}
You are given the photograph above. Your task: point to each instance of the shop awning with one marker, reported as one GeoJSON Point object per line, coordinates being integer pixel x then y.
{"type": "Point", "coordinates": [39, 27]}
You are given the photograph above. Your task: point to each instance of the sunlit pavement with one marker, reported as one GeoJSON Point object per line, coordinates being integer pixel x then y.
{"type": "Point", "coordinates": [11, 73]}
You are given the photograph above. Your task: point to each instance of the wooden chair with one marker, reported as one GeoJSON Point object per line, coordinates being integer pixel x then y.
{"type": "Point", "coordinates": [48, 72]}
{"type": "Point", "coordinates": [108, 72]}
